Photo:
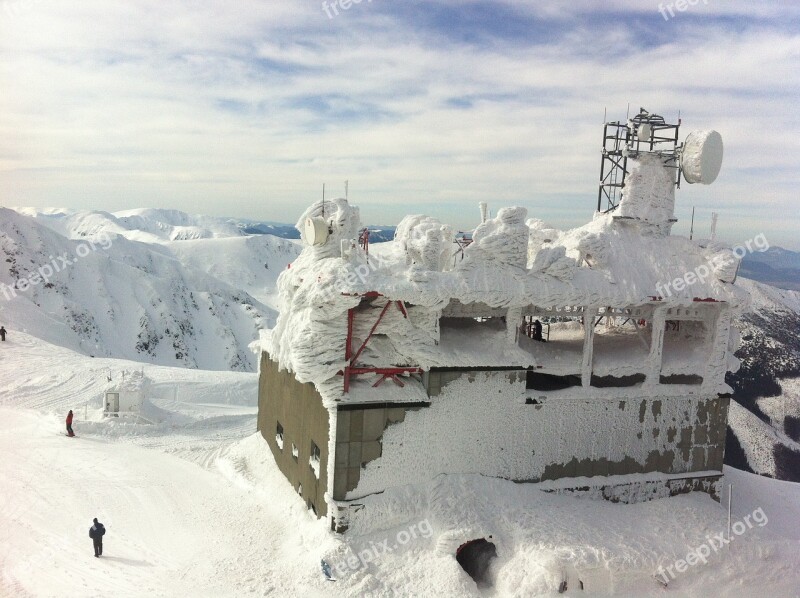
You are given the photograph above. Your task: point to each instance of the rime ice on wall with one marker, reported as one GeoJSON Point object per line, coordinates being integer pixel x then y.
{"type": "Point", "coordinates": [309, 337]}
{"type": "Point", "coordinates": [491, 431]}
{"type": "Point", "coordinates": [649, 193]}
{"type": "Point", "coordinates": [541, 235]}
{"type": "Point", "coordinates": [427, 242]}
{"type": "Point", "coordinates": [504, 239]}
{"type": "Point", "coordinates": [343, 225]}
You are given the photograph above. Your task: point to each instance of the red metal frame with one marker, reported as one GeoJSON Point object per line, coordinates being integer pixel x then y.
{"type": "Point", "coordinates": [350, 370]}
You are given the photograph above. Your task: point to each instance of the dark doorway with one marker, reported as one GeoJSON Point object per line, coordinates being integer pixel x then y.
{"type": "Point", "coordinates": [475, 557]}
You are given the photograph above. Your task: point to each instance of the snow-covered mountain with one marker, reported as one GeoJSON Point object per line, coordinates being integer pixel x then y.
{"type": "Point", "coordinates": [776, 266]}
{"type": "Point", "coordinates": [147, 225]}
{"type": "Point", "coordinates": [128, 292]}
{"type": "Point", "coordinates": [764, 424]}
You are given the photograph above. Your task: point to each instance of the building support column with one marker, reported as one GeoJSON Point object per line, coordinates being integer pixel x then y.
{"type": "Point", "coordinates": [717, 363]}
{"type": "Point", "coordinates": [513, 322]}
{"type": "Point", "coordinates": [589, 315]}
{"type": "Point", "coordinates": [656, 347]}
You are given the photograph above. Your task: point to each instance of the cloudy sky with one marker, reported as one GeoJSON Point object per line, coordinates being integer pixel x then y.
{"type": "Point", "coordinates": [244, 108]}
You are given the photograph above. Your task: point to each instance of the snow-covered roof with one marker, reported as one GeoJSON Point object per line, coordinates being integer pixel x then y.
{"type": "Point", "coordinates": [620, 259]}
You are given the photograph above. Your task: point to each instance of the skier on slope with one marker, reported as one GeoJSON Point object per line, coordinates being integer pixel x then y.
{"type": "Point", "coordinates": [96, 533]}
{"type": "Point", "coordinates": [69, 424]}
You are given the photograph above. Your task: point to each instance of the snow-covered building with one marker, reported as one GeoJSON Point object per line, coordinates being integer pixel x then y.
{"type": "Point", "coordinates": [127, 396]}
{"type": "Point", "coordinates": [421, 358]}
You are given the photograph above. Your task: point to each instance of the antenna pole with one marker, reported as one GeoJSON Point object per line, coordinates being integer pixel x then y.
{"type": "Point", "coordinates": [691, 230]}
{"type": "Point", "coordinates": [346, 186]}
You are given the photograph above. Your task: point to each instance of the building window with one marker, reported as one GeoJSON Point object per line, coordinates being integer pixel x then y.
{"type": "Point", "coordinates": [545, 382]}
{"type": "Point", "coordinates": [313, 460]}
{"type": "Point", "coordinates": [295, 452]}
{"type": "Point", "coordinates": [279, 435]}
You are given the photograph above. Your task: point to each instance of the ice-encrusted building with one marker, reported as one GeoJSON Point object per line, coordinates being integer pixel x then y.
{"type": "Point", "coordinates": [389, 369]}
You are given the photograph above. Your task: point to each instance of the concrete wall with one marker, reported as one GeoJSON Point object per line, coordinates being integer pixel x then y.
{"type": "Point", "coordinates": [478, 422]}
{"type": "Point", "coordinates": [298, 407]}
{"type": "Point", "coordinates": [359, 433]}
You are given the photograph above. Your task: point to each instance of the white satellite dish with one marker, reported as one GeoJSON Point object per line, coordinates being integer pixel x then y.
{"type": "Point", "coordinates": [315, 231]}
{"type": "Point", "coordinates": [701, 157]}
{"type": "Point", "coordinates": [644, 132]}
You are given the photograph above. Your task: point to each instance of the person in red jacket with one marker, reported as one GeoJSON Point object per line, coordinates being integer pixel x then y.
{"type": "Point", "coordinates": [69, 424]}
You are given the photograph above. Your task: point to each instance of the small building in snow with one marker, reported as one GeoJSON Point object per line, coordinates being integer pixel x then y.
{"type": "Point", "coordinates": [127, 397]}
{"type": "Point", "coordinates": [589, 361]}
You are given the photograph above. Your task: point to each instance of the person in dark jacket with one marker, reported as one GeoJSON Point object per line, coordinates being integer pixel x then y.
{"type": "Point", "coordinates": [96, 533]}
{"type": "Point", "coordinates": [537, 331]}
{"type": "Point", "coordinates": [69, 424]}
{"type": "Point", "coordinates": [2, 333]}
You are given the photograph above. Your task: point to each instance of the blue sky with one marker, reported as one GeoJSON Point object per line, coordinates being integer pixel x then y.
{"type": "Point", "coordinates": [245, 108]}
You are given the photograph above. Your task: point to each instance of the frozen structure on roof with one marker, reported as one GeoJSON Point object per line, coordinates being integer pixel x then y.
{"type": "Point", "coordinates": [424, 357]}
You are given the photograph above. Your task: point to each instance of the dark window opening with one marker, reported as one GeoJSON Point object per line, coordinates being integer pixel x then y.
{"type": "Point", "coordinates": [692, 379]}
{"type": "Point", "coordinates": [617, 381]}
{"type": "Point", "coordinates": [315, 453]}
{"type": "Point", "coordinates": [279, 435]}
{"type": "Point", "coordinates": [475, 557]}
{"type": "Point", "coordinates": [537, 381]}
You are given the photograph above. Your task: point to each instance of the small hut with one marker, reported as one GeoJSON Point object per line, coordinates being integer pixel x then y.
{"type": "Point", "coordinates": [127, 396]}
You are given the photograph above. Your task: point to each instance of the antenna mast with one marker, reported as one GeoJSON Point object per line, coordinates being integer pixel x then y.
{"type": "Point", "coordinates": [691, 230]}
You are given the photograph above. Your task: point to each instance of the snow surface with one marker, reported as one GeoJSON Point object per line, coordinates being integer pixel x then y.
{"type": "Point", "coordinates": [197, 507]}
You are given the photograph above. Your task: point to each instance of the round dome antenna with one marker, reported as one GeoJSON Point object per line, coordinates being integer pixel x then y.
{"type": "Point", "coordinates": [701, 157]}
{"type": "Point", "coordinates": [315, 231]}
{"type": "Point", "coordinates": [644, 132]}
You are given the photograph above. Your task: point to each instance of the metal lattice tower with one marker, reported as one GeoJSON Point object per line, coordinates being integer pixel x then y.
{"type": "Point", "coordinates": [644, 133]}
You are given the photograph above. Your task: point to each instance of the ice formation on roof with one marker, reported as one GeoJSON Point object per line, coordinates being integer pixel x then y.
{"type": "Point", "coordinates": [503, 238]}
{"type": "Point", "coordinates": [511, 264]}
{"type": "Point", "coordinates": [427, 242]}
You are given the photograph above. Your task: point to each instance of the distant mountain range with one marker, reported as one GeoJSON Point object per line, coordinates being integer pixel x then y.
{"type": "Point", "coordinates": [377, 234]}
{"type": "Point", "coordinates": [776, 266]}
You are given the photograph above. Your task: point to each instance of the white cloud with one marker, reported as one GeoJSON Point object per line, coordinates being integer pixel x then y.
{"type": "Point", "coordinates": [245, 108]}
